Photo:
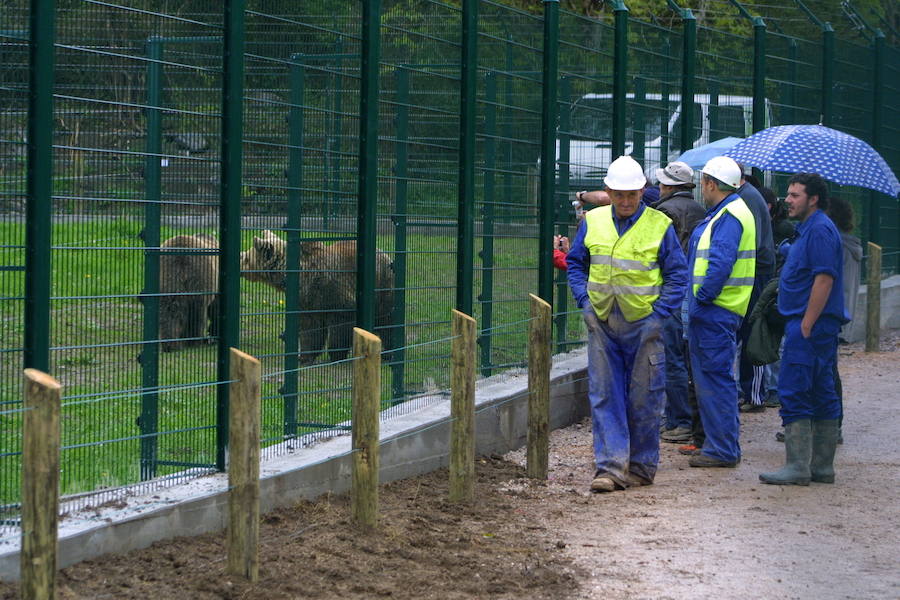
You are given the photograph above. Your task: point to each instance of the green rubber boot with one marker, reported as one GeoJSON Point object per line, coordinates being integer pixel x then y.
{"type": "Point", "coordinates": [825, 436]}
{"type": "Point", "coordinates": [798, 447]}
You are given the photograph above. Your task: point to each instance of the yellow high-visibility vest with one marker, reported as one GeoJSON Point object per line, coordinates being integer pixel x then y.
{"type": "Point", "coordinates": [735, 294]}
{"type": "Point", "coordinates": [624, 269]}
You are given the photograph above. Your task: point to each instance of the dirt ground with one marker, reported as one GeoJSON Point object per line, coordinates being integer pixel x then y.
{"type": "Point", "coordinates": [696, 533]}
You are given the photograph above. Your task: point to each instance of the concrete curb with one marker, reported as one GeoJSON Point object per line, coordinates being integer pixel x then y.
{"type": "Point", "coordinates": [411, 444]}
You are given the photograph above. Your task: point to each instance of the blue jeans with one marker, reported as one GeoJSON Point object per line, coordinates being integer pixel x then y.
{"type": "Point", "coordinates": [626, 386]}
{"type": "Point", "coordinates": [806, 383]}
{"type": "Point", "coordinates": [712, 348]}
{"type": "Point", "coordinates": [678, 411]}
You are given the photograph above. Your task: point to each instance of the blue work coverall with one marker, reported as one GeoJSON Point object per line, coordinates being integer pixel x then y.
{"type": "Point", "coordinates": [806, 381]}
{"type": "Point", "coordinates": [626, 362]}
{"type": "Point", "coordinates": [712, 336]}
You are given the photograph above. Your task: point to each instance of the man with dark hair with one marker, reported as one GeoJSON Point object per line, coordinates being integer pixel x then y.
{"type": "Point", "coordinates": [810, 297]}
{"type": "Point", "coordinates": [722, 261]}
{"type": "Point", "coordinates": [752, 378]}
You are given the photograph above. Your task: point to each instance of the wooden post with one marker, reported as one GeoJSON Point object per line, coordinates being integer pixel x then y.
{"type": "Point", "coordinates": [538, 388]}
{"type": "Point", "coordinates": [462, 408]}
{"type": "Point", "coordinates": [873, 299]}
{"type": "Point", "coordinates": [366, 406]}
{"type": "Point", "coordinates": [243, 466]}
{"type": "Point", "coordinates": [40, 485]}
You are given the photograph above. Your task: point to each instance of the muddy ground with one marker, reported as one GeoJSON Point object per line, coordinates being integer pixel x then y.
{"type": "Point", "coordinates": [696, 533]}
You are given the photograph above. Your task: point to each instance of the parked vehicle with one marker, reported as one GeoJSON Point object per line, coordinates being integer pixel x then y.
{"type": "Point", "coordinates": [656, 140]}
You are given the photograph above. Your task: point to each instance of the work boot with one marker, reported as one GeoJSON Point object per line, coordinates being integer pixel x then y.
{"type": "Point", "coordinates": [676, 435]}
{"type": "Point", "coordinates": [704, 461]}
{"type": "Point", "coordinates": [824, 440]}
{"type": "Point", "coordinates": [604, 483]}
{"type": "Point", "coordinates": [798, 448]}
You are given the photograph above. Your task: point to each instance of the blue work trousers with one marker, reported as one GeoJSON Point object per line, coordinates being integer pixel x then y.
{"type": "Point", "coordinates": [678, 411]}
{"type": "Point", "coordinates": [806, 382]}
{"type": "Point", "coordinates": [712, 340]}
{"type": "Point", "coordinates": [626, 387]}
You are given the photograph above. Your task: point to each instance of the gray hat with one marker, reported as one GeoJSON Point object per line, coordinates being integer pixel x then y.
{"type": "Point", "coordinates": [676, 173]}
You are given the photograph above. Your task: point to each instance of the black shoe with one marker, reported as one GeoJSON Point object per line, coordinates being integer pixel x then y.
{"type": "Point", "coordinates": [748, 407]}
{"type": "Point", "coordinates": [772, 401]}
{"type": "Point", "coordinates": [701, 460]}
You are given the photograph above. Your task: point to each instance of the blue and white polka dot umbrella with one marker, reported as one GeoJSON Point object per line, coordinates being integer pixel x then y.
{"type": "Point", "coordinates": [834, 155]}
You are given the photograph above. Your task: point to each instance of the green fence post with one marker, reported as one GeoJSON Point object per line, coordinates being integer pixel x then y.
{"type": "Point", "coordinates": [230, 213]}
{"type": "Point", "coordinates": [563, 206]}
{"type": "Point", "coordinates": [367, 200]}
{"type": "Point", "coordinates": [664, 140]}
{"type": "Point", "coordinates": [714, 131]}
{"type": "Point", "coordinates": [295, 122]}
{"type": "Point", "coordinates": [877, 124]}
{"type": "Point", "coordinates": [549, 111]}
{"type": "Point", "coordinates": [506, 207]}
{"type": "Point", "coordinates": [467, 117]}
{"type": "Point", "coordinates": [149, 355]}
{"type": "Point", "coordinates": [688, 68]}
{"type": "Point", "coordinates": [401, 153]}
{"type": "Point", "coordinates": [789, 90]}
{"type": "Point", "coordinates": [638, 125]}
{"type": "Point", "coordinates": [620, 78]}
{"type": "Point", "coordinates": [486, 297]}
{"type": "Point", "coordinates": [827, 74]}
{"type": "Point", "coordinates": [335, 137]}
{"type": "Point", "coordinates": [759, 74]}
{"type": "Point", "coordinates": [38, 208]}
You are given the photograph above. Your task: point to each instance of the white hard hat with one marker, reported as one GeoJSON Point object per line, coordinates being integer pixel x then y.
{"type": "Point", "coordinates": [625, 174]}
{"type": "Point", "coordinates": [676, 173]}
{"type": "Point", "coordinates": [724, 169]}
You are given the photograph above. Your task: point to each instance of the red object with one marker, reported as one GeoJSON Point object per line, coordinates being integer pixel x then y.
{"type": "Point", "coordinates": [559, 260]}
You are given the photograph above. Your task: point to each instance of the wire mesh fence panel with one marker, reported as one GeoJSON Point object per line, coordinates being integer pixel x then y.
{"type": "Point", "coordinates": [13, 125]}
{"type": "Point", "coordinates": [793, 80]}
{"type": "Point", "coordinates": [889, 147]}
{"type": "Point", "coordinates": [723, 103]}
{"type": "Point", "coordinates": [418, 193]}
{"type": "Point", "coordinates": [298, 261]}
{"type": "Point", "coordinates": [510, 45]}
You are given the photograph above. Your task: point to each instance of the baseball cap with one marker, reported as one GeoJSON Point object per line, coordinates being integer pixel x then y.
{"type": "Point", "coordinates": [676, 173]}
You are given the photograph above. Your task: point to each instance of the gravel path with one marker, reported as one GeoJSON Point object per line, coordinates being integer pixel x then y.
{"type": "Point", "coordinates": [720, 533]}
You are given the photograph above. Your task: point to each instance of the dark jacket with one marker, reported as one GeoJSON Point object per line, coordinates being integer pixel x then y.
{"type": "Point", "coordinates": [765, 248]}
{"type": "Point", "coordinates": [685, 213]}
{"type": "Point", "coordinates": [766, 327]}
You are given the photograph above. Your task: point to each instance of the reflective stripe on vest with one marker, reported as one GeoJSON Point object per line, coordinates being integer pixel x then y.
{"type": "Point", "coordinates": [735, 294]}
{"type": "Point", "coordinates": [624, 269]}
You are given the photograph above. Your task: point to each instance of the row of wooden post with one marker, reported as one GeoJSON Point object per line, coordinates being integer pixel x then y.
{"type": "Point", "coordinates": [41, 445]}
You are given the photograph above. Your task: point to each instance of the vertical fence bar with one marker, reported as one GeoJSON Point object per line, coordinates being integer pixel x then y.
{"type": "Point", "coordinates": [620, 78]}
{"type": "Point", "coordinates": [486, 297]}
{"type": "Point", "coordinates": [508, 132]}
{"type": "Point", "coordinates": [539, 340]}
{"type": "Point", "coordinates": [549, 112]}
{"type": "Point", "coordinates": [39, 184]}
{"type": "Point", "coordinates": [401, 154]}
{"type": "Point", "coordinates": [688, 69]}
{"type": "Point", "coordinates": [40, 485]}
{"type": "Point", "coordinates": [827, 74]}
{"type": "Point", "coordinates": [873, 298]}
{"type": "Point", "coordinates": [759, 74]}
{"type": "Point", "coordinates": [335, 140]}
{"type": "Point", "coordinates": [664, 140]}
{"type": "Point", "coordinates": [467, 116]}
{"type": "Point", "coordinates": [367, 200]}
{"type": "Point", "coordinates": [290, 388]}
{"type": "Point", "coordinates": [366, 399]}
{"type": "Point", "coordinates": [563, 206]}
{"type": "Point", "coordinates": [791, 86]}
{"type": "Point", "coordinates": [230, 212]}
{"type": "Point", "coordinates": [150, 234]}
{"type": "Point", "coordinates": [243, 466]}
{"type": "Point", "coordinates": [714, 131]}
{"type": "Point", "coordinates": [877, 123]}
{"type": "Point", "coordinates": [462, 408]}
{"type": "Point", "coordinates": [638, 126]}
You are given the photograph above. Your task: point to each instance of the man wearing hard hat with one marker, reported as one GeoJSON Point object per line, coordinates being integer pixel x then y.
{"type": "Point", "coordinates": [722, 260]}
{"type": "Point", "coordinates": [627, 272]}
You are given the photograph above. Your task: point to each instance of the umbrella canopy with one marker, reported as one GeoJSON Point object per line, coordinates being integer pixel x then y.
{"type": "Point", "coordinates": [699, 156]}
{"type": "Point", "coordinates": [834, 155]}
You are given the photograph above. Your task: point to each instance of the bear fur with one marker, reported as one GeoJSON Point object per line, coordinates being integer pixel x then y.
{"type": "Point", "coordinates": [191, 282]}
{"type": "Point", "coordinates": [327, 291]}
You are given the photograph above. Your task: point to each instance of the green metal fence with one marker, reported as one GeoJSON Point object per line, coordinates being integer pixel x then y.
{"type": "Point", "coordinates": [378, 163]}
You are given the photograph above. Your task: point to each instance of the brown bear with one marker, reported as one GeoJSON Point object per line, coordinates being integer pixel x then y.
{"type": "Point", "coordinates": [327, 291]}
{"type": "Point", "coordinates": [188, 284]}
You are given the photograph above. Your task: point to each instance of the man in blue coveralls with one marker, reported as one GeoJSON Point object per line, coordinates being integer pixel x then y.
{"type": "Point", "coordinates": [627, 272]}
{"type": "Point", "coordinates": [810, 296]}
{"type": "Point", "coordinates": [722, 259]}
